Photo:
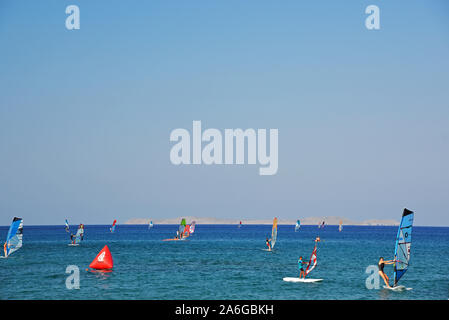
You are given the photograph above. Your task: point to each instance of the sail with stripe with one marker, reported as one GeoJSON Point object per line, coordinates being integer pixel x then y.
{"type": "Point", "coordinates": [340, 226]}
{"type": "Point", "coordinates": [312, 262]}
{"type": "Point", "coordinates": [403, 244]}
{"type": "Point", "coordinates": [274, 232]}
{"type": "Point", "coordinates": [298, 225]}
{"type": "Point", "coordinates": [14, 237]}
{"type": "Point", "coordinates": [67, 227]}
{"type": "Point", "coordinates": [113, 226]}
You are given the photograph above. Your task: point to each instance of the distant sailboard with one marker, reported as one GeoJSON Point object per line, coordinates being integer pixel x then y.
{"type": "Point", "coordinates": [67, 227]}
{"type": "Point", "coordinates": [76, 239]}
{"type": "Point", "coordinates": [14, 237]}
{"type": "Point", "coordinates": [298, 225]}
{"type": "Point", "coordinates": [112, 229]}
{"type": "Point", "coordinates": [150, 225]}
{"type": "Point", "coordinates": [192, 227]}
{"type": "Point", "coordinates": [340, 226]}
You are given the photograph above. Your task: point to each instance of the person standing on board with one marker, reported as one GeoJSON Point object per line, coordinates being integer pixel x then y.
{"type": "Point", "coordinates": [381, 265]}
{"type": "Point", "coordinates": [301, 269]}
{"type": "Point", "coordinates": [268, 243]}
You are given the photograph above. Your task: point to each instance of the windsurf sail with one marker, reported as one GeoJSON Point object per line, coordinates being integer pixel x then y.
{"type": "Point", "coordinates": [274, 232]}
{"type": "Point", "coordinates": [67, 227]}
{"type": "Point", "coordinates": [113, 226]}
{"type": "Point", "coordinates": [312, 262]}
{"type": "Point", "coordinates": [79, 234]}
{"type": "Point", "coordinates": [186, 231]}
{"type": "Point", "coordinates": [150, 225]}
{"type": "Point", "coordinates": [403, 243]}
{"type": "Point", "coordinates": [14, 237]}
{"type": "Point", "coordinates": [182, 227]}
{"type": "Point", "coordinates": [192, 227]}
{"type": "Point", "coordinates": [298, 225]}
{"type": "Point", "coordinates": [340, 226]}
{"type": "Point", "coordinates": [240, 224]}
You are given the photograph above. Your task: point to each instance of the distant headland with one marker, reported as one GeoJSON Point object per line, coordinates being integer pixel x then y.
{"type": "Point", "coordinates": [331, 220]}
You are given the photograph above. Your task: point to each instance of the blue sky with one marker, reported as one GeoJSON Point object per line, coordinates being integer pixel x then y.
{"type": "Point", "coordinates": [86, 115]}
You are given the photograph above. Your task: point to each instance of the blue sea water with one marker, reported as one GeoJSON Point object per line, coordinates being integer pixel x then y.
{"type": "Point", "coordinates": [221, 262]}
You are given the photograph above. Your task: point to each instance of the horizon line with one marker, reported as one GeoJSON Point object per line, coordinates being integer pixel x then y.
{"type": "Point", "coordinates": [225, 224]}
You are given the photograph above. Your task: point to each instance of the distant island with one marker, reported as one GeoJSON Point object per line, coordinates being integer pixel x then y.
{"type": "Point", "coordinates": [332, 220]}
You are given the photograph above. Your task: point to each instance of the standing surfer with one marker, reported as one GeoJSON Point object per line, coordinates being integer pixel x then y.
{"type": "Point", "coordinates": [381, 265]}
{"type": "Point", "coordinates": [301, 269]}
{"type": "Point", "coordinates": [268, 243]}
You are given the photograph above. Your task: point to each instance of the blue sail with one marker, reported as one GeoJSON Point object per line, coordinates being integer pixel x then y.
{"type": "Point", "coordinates": [14, 237]}
{"type": "Point", "coordinates": [298, 225]}
{"type": "Point", "coordinates": [403, 243]}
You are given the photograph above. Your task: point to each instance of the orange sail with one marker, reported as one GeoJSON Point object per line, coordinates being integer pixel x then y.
{"type": "Point", "coordinates": [186, 231]}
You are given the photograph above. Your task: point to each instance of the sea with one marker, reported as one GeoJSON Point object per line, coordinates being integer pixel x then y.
{"type": "Point", "coordinates": [222, 262]}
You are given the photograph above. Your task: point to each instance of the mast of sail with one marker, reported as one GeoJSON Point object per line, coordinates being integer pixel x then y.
{"type": "Point", "coordinates": [274, 232]}
{"type": "Point", "coordinates": [14, 237]}
{"type": "Point", "coordinates": [402, 246]}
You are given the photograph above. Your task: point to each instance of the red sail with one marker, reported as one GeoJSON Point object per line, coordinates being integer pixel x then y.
{"type": "Point", "coordinates": [186, 231]}
{"type": "Point", "coordinates": [103, 260]}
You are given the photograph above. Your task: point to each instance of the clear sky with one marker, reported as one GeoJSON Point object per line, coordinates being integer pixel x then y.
{"type": "Point", "coordinates": [86, 115]}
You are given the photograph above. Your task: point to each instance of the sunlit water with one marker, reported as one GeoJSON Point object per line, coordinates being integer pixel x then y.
{"type": "Point", "coordinates": [221, 262]}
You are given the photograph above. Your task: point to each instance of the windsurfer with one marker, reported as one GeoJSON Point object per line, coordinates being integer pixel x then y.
{"type": "Point", "coordinates": [381, 265]}
{"type": "Point", "coordinates": [268, 243]}
{"type": "Point", "coordinates": [300, 266]}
